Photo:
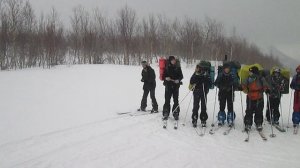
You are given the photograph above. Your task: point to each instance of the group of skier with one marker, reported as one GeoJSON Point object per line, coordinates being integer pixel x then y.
{"type": "Point", "coordinates": [255, 85]}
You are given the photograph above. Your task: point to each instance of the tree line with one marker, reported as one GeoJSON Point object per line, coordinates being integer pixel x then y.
{"type": "Point", "coordinates": [28, 40]}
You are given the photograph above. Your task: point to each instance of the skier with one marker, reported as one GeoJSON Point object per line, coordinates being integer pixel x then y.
{"type": "Point", "coordinates": [200, 83]}
{"type": "Point", "coordinates": [148, 78]}
{"type": "Point", "coordinates": [172, 81]}
{"type": "Point", "coordinates": [227, 85]}
{"type": "Point", "coordinates": [254, 85]}
{"type": "Point", "coordinates": [295, 84]}
{"type": "Point", "coordinates": [276, 82]}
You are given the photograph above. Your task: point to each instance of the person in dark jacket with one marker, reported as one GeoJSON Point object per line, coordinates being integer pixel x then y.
{"type": "Point", "coordinates": [276, 82]}
{"type": "Point", "coordinates": [172, 81]}
{"type": "Point", "coordinates": [148, 78]}
{"type": "Point", "coordinates": [200, 83]}
{"type": "Point", "coordinates": [295, 84]}
{"type": "Point", "coordinates": [255, 86]}
{"type": "Point", "coordinates": [225, 83]}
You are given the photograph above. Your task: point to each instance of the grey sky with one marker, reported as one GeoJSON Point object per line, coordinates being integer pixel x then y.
{"type": "Point", "coordinates": [264, 22]}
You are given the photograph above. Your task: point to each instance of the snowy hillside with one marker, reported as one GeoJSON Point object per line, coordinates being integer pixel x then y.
{"type": "Point", "coordinates": [67, 117]}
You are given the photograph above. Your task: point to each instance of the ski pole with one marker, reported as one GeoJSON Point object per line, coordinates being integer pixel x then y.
{"type": "Point", "coordinates": [204, 95]}
{"type": "Point", "coordinates": [232, 92]}
{"type": "Point", "coordinates": [271, 135]}
{"type": "Point", "coordinates": [289, 110]}
{"type": "Point", "coordinates": [187, 110]}
{"type": "Point", "coordinates": [213, 121]}
{"type": "Point", "coordinates": [281, 110]}
{"type": "Point", "coordinates": [242, 106]}
{"type": "Point", "coordinates": [183, 99]}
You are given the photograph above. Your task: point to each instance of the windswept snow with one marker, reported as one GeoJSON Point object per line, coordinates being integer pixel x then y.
{"type": "Point", "coordinates": [67, 117]}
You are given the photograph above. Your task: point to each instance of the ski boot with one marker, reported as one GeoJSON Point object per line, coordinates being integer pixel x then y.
{"type": "Point", "coordinates": [154, 111]}
{"type": "Point", "coordinates": [230, 124]}
{"type": "Point", "coordinates": [194, 122]}
{"type": "Point", "coordinates": [203, 123]}
{"type": "Point", "coordinates": [247, 128]}
{"type": "Point", "coordinates": [259, 127]}
{"type": "Point", "coordinates": [221, 118]}
{"type": "Point", "coordinates": [230, 118]}
{"type": "Point", "coordinates": [276, 123]}
{"type": "Point", "coordinates": [142, 109]}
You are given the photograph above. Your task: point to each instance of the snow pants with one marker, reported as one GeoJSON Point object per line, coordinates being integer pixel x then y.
{"type": "Point", "coordinates": [254, 107]}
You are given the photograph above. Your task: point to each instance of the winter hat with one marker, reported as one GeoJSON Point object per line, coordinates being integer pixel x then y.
{"type": "Point", "coordinates": [298, 68]}
{"type": "Point", "coordinates": [144, 63]}
{"type": "Point", "coordinates": [226, 66]}
{"type": "Point", "coordinates": [254, 70]}
{"type": "Point", "coordinates": [171, 58]}
{"type": "Point", "coordinates": [277, 70]}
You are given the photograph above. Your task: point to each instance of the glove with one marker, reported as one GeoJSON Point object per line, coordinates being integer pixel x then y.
{"type": "Point", "coordinates": [205, 74]}
{"type": "Point", "coordinates": [168, 79]}
{"type": "Point", "coordinates": [176, 81]}
{"type": "Point", "coordinates": [191, 87]}
{"type": "Point", "coordinates": [267, 91]}
{"type": "Point", "coordinates": [240, 88]}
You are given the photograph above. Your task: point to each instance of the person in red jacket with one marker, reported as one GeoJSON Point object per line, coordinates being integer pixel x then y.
{"type": "Point", "coordinates": [172, 81]}
{"type": "Point", "coordinates": [295, 84]}
{"type": "Point", "coordinates": [254, 85]}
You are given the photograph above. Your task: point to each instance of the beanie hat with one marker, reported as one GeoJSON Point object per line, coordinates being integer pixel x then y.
{"type": "Point", "coordinates": [298, 68]}
{"type": "Point", "coordinates": [144, 63]}
{"type": "Point", "coordinates": [171, 58]}
{"type": "Point", "coordinates": [277, 70]}
{"type": "Point", "coordinates": [254, 70]}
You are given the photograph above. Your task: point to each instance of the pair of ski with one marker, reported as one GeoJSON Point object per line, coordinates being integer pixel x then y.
{"type": "Point", "coordinates": [201, 132]}
{"type": "Point", "coordinates": [165, 124]}
{"type": "Point", "coordinates": [261, 134]}
{"type": "Point", "coordinates": [277, 126]}
{"type": "Point", "coordinates": [214, 129]}
{"type": "Point", "coordinates": [137, 113]}
{"type": "Point", "coordinates": [296, 128]}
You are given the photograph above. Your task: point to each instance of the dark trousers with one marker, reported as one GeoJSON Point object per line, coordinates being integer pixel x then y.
{"type": "Point", "coordinates": [226, 97]}
{"type": "Point", "coordinates": [254, 107]}
{"type": "Point", "coordinates": [171, 91]}
{"type": "Point", "coordinates": [199, 96]}
{"type": "Point", "coordinates": [274, 103]}
{"type": "Point", "coordinates": [152, 96]}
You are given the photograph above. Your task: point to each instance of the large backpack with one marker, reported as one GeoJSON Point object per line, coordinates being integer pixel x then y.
{"type": "Point", "coordinates": [286, 75]}
{"type": "Point", "coordinates": [162, 67]}
{"type": "Point", "coordinates": [206, 65]}
{"type": "Point", "coordinates": [235, 67]}
{"type": "Point", "coordinates": [163, 64]}
{"type": "Point", "coordinates": [244, 72]}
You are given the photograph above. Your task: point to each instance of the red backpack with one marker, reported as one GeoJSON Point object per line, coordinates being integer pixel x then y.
{"type": "Point", "coordinates": [162, 67]}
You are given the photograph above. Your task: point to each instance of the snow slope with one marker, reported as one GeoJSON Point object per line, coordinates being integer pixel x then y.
{"type": "Point", "coordinates": [67, 117]}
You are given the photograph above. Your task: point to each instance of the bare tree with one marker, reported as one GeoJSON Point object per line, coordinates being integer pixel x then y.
{"type": "Point", "coordinates": [28, 41]}
{"type": "Point", "coordinates": [126, 23]}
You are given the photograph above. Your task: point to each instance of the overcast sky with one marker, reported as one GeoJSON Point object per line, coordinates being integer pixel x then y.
{"type": "Point", "coordinates": [264, 22]}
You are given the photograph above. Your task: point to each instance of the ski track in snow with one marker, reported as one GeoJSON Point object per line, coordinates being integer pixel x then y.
{"type": "Point", "coordinates": [122, 141]}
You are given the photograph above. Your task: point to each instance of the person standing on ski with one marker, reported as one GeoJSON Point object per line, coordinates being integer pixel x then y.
{"type": "Point", "coordinates": [276, 82]}
{"type": "Point", "coordinates": [172, 81]}
{"type": "Point", "coordinates": [254, 86]}
{"type": "Point", "coordinates": [200, 83]}
{"type": "Point", "coordinates": [295, 84]}
{"type": "Point", "coordinates": [226, 84]}
{"type": "Point", "coordinates": [148, 78]}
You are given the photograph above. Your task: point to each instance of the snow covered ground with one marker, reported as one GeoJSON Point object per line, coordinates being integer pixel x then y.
{"type": "Point", "coordinates": [66, 117]}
